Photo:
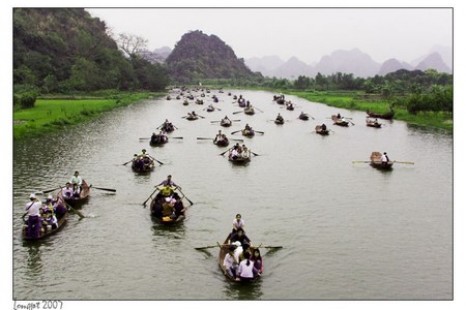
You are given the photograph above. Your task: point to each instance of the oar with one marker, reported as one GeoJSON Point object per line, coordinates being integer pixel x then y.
{"type": "Point", "coordinates": [103, 189]}
{"type": "Point", "coordinates": [271, 246]}
{"type": "Point", "coordinates": [261, 132]}
{"type": "Point", "coordinates": [215, 121]}
{"type": "Point", "coordinates": [50, 190]}
{"type": "Point", "coordinates": [144, 203]}
{"type": "Point", "coordinates": [207, 247]}
{"type": "Point", "coordinates": [236, 120]}
{"type": "Point", "coordinates": [124, 163]}
{"type": "Point", "coordinates": [144, 138]}
{"type": "Point", "coordinates": [361, 161]}
{"type": "Point", "coordinates": [176, 137]}
{"type": "Point", "coordinates": [161, 163]}
{"type": "Point", "coordinates": [200, 116]}
{"type": "Point", "coordinates": [73, 210]}
{"type": "Point", "coordinates": [238, 112]}
{"type": "Point", "coordinates": [239, 140]}
{"type": "Point", "coordinates": [259, 109]}
{"type": "Point", "coordinates": [200, 138]}
{"type": "Point", "coordinates": [185, 196]}
{"type": "Point", "coordinates": [235, 132]}
{"type": "Point", "coordinates": [221, 154]}
{"type": "Point", "coordinates": [255, 154]}
{"type": "Point", "coordinates": [404, 162]}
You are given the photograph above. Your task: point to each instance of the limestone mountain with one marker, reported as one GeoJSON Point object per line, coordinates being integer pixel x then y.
{"type": "Point", "coordinates": [393, 65]}
{"type": "Point", "coordinates": [198, 56]}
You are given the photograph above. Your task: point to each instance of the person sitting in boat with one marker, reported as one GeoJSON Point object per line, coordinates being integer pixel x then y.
{"type": "Point", "coordinates": [258, 266]}
{"type": "Point", "coordinates": [247, 127]}
{"type": "Point", "coordinates": [179, 208]}
{"type": "Point", "coordinates": [234, 153]}
{"type": "Point", "coordinates": [244, 150]}
{"type": "Point", "coordinates": [76, 190]}
{"type": "Point", "coordinates": [34, 221]}
{"type": "Point", "coordinates": [77, 180]}
{"type": "Point", "coordinates": [323, 127]}
{"type": "Point", "coordinates": [238, 222]}
{"type": "Point", "coordinates": [226, 118]}
{"type": "Point", "coordinates": [67, 192]}
{"type": "Point", "coordinates": [238, 250]}
{"type": "Point", "coordinates": [167, 186]}
{"type": "Point", "coordinates": [338, 115]}
{"type": "Point", "coordinates": [193, 113]}
{"type": "Point", "coordinates": [376, 122]}
{"type": "Point", "coordinates": [220, 136]}
{"type": "Point", "coordinates": [385, 159]}
{"type": "Point", "coordinates": [59, 208]}
{"type": "Point", "coordinates": [229, 262]}
{"type": "Point", "coordinates": [240, 236]}
{"type": "Point", "coordinates": [279, 118]}
{"type": "Point", "coordinates": [245, 268]}
{"type": "Point", "coordinates": [48, 214]}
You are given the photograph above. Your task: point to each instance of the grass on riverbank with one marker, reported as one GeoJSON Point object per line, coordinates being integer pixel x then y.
{"type": "Point", "coordinates": [54, 114]}
{"type": "Point", "coordinates": [354, 101]}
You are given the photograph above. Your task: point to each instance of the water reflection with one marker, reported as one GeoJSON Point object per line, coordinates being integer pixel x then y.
{"type": "Point", "coordinates": [243, 291]}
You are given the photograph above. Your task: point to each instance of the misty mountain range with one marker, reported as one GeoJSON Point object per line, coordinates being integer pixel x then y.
{"type": "Point", "coordinates": [345, 61]}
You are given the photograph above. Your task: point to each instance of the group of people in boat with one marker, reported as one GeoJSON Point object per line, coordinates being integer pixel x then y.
{"type": "Point", "coordinates": [242, 262]}
{"type": "Point", "coordinates": [142, 161]}
{"type": "Point", "coordinates": [239, 151]}
{"type": "Point", "coordinates": [42, 217]}
{"type": "Point", "coordinates": [220, 137]}
{"type": "Point", "coordinates": [74, 187]}
{"type": "Point", "coordinates": [167, 202]}
{"type": "Point", "coordinates": [167, 126]}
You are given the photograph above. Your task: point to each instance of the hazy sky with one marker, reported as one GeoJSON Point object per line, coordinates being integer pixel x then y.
{"type": "Point", "coordinates": [307, 33]}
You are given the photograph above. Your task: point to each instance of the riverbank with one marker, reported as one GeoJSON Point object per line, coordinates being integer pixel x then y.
{"type": "Point", "coordinates": [355, 101]}
{"type": "Point", "coordinates": [54, 113]}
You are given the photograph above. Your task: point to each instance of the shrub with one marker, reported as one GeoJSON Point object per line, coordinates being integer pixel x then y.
{"type": "Point", "coordinates": [28, 100]}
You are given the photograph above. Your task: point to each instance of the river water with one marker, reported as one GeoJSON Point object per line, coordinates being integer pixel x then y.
{"type": "Point", "coordinates": [348, 231]}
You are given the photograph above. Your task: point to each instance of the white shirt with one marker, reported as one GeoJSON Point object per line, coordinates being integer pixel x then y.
{"type": "Point", "coordinates": [76, 180]}
{"type": "Point", "coordinates": [237, 253]}
{"type": "Point", "coordinates": [228, 261]}
{"type": "Point", "coordinates": [384, 158]}
{"type": "Point", "coordinates": [244, 270]}
{"type": "Point", "coordinates": [33, 208]}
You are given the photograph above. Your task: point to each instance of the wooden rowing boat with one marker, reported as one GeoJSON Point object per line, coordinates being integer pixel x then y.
{"type": "Point", "coordinates": [321, 131]}
{"type": "Point", "coordinates": [303, 116]}
{"type": "Point", "coordinates": [241, 159]}
{"type": "Point", "coordinates": [249, 110]}
{"type": "Point", "coordinates": [225, 122]}
{"type": "Point", "coordinates": [376, 162]}
{"type": "Point", "coordinates": [158, 139]}
{"type": "Point", "coordinates": [47, 229]}
{"type": "Point", "coordinates": [279, 121]}
{"type": "Point", "coordinates": [79, 200]}
{"type": "Point", "coordinates": [221, 141]}
{"type": "Point", "coordinates": [168, 209]}
{"type": "Point", "coordinates": [142, 164]}
{"type": "Point", "coordinates": [224, 248]}
{"type": "Point", "coordinates": [339, 121]}
{"type": "Point", "coordinates": [248, 132]}
{"type": "Point", "coordinates": [373, 123]}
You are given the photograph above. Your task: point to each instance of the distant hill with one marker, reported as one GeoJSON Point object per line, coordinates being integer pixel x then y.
{"type": "Point", "coordinates": [199, 56]}
{"type": "Point", "coordinates": [349, 61]}
{"type": "Point", "coordinates": [66, 49]}
{"type": "Point", "coordinates": [393, 65]}
{"type": "Point", "coordinates": [433, 61]}
{"type": "Point", "coordinates": [266, 65]}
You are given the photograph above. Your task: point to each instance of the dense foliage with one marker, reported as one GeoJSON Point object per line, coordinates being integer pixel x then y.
{"type": "Point", "coordinates": [198, 56]}
{"type": "Point", "coordinates": [66, 50]}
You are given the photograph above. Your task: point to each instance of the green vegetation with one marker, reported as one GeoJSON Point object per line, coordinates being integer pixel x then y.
{"type": "Point", "coordinates": [362, 102]}
{"type": "Point", "coordinates": [63, 50]}
{"type": "Point", "coordinates": [198, 56]}
{"type": "Point", "coordinates": [55, 113]}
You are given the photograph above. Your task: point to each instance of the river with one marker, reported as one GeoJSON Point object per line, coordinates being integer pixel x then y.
{"type": "Point", "coordinates": [348, 231]}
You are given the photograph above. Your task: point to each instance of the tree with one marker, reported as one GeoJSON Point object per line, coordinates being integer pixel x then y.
{"type": "Point", "coordinates": [131, 44]}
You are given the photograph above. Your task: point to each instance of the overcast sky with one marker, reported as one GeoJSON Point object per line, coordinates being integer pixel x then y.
{"type": "Point", "coordinates": [307, 33]}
